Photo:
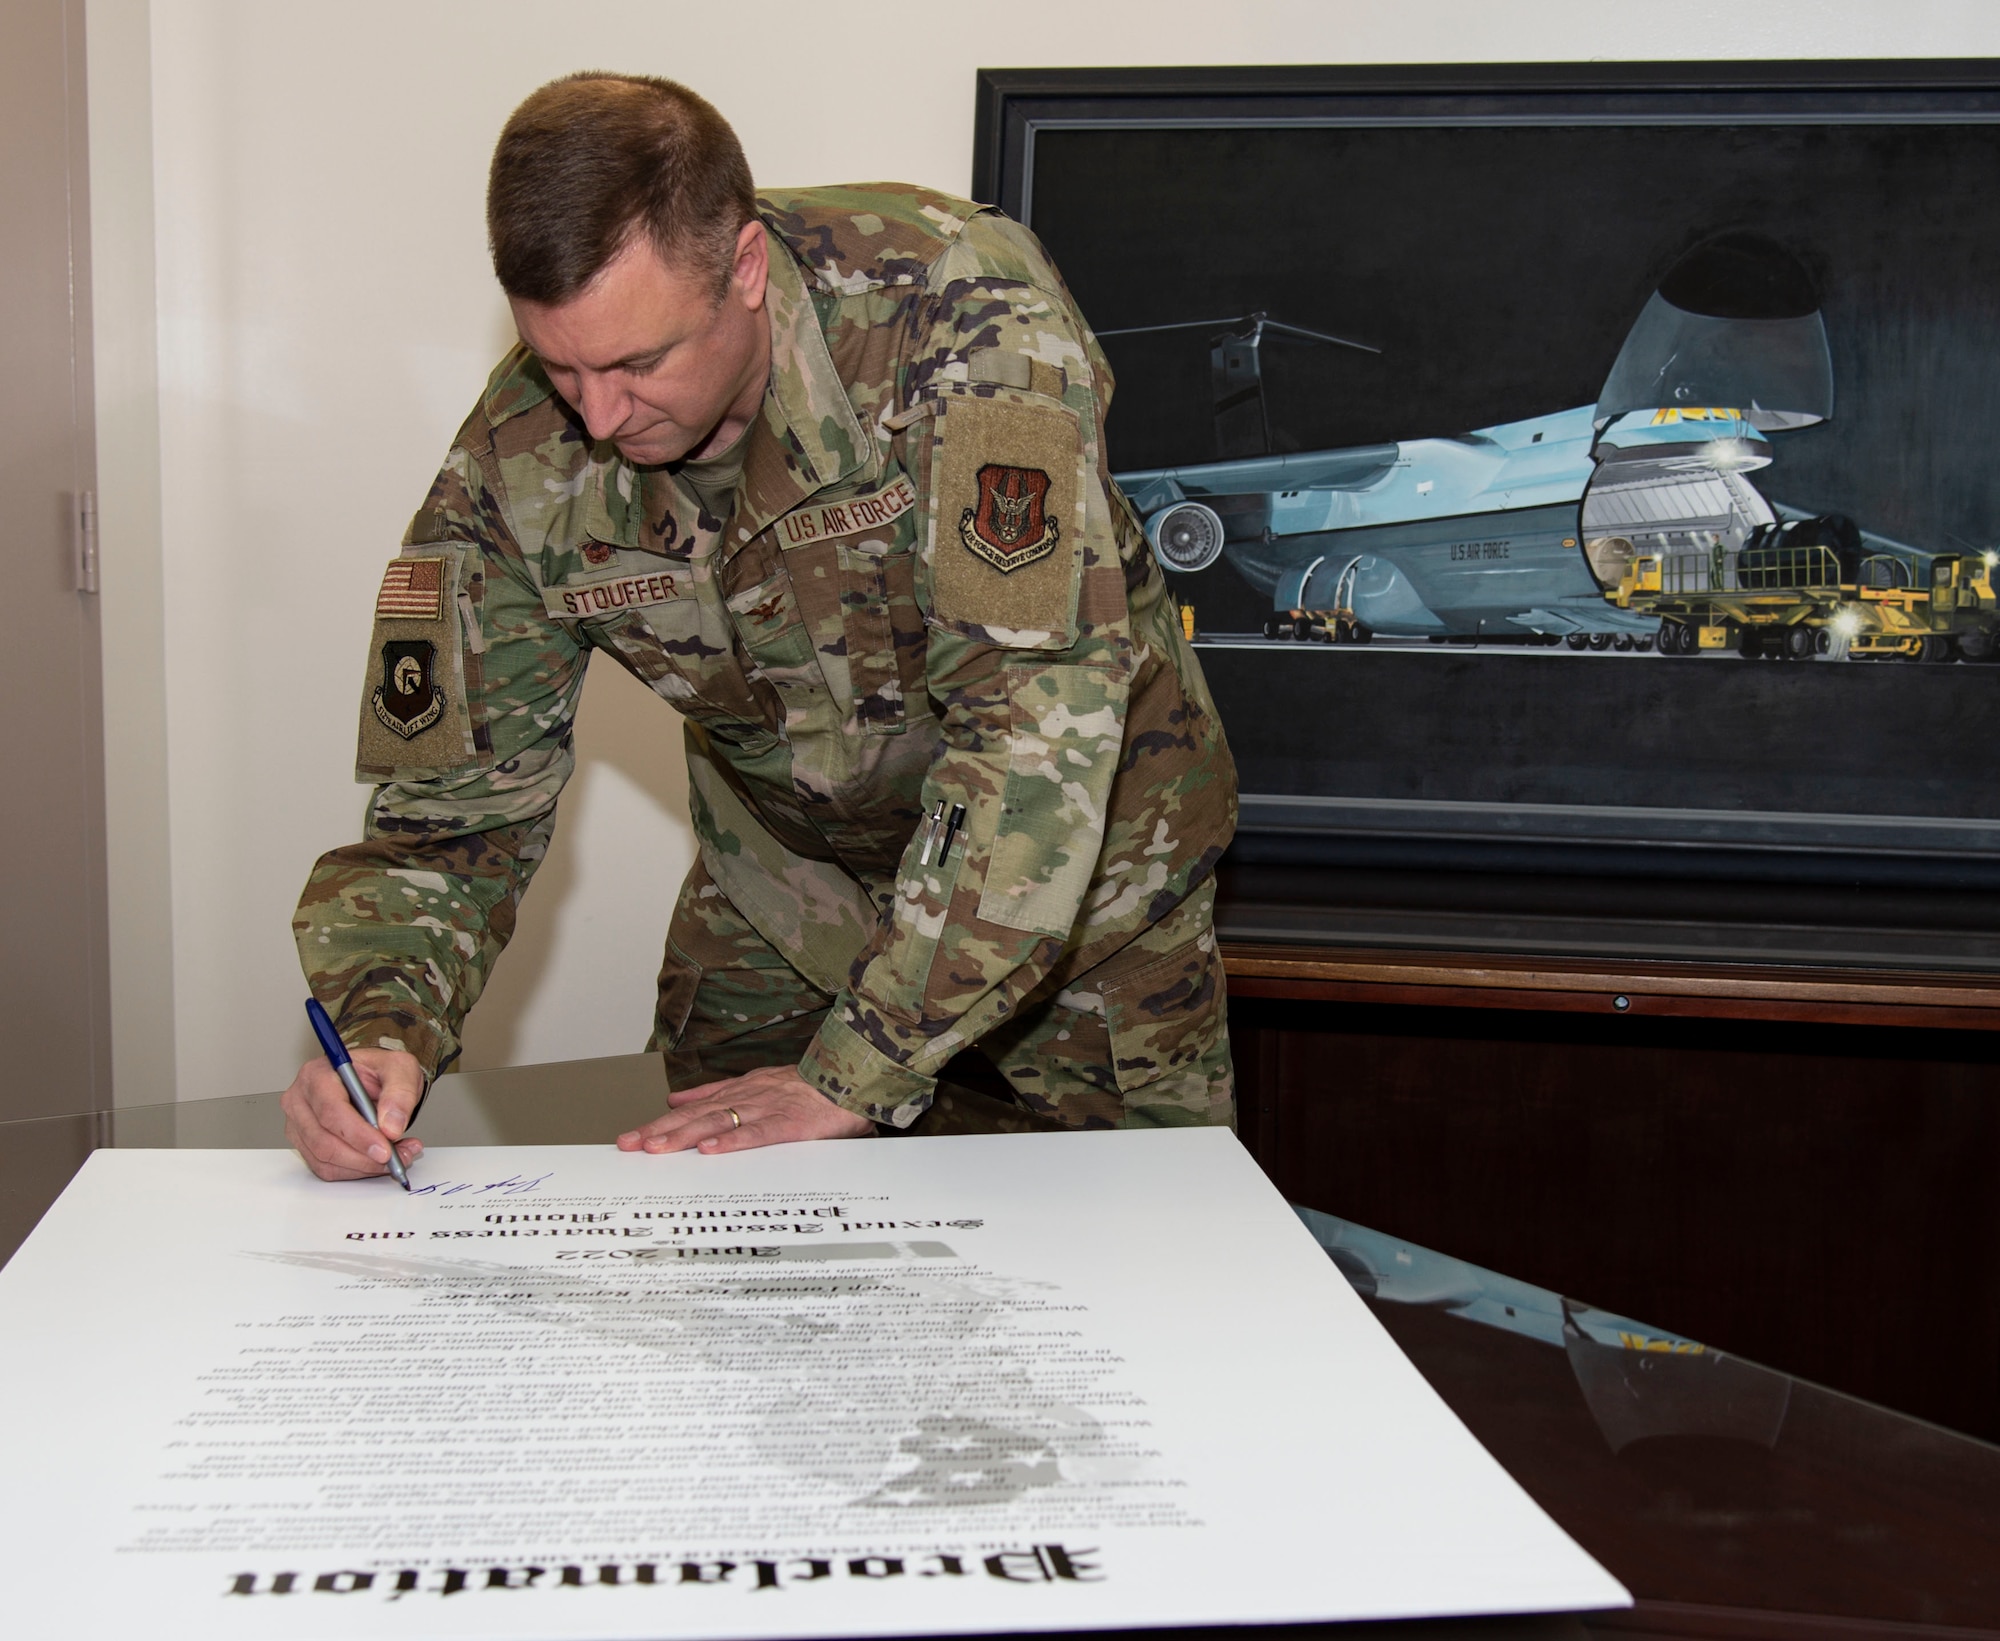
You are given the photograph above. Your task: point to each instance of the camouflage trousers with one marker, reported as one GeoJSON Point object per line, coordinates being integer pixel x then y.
{"type": "Point", "coordinates": [1140, 1041]}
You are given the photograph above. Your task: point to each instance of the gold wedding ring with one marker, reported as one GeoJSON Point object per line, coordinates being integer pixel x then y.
{"type": "Point", "coordinates": [734, 1119]}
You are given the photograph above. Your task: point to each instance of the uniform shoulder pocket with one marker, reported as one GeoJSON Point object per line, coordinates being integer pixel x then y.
{"type": "Point", "coordinates": [1005, 516]}
{"type": "Point", "coordinates": [422, 669]}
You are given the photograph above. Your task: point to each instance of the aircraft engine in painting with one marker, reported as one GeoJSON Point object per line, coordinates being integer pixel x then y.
{"type": "Point", "coordinates": [1187, 535]}
{"type": "Point", "coordinates": [1521, 529]}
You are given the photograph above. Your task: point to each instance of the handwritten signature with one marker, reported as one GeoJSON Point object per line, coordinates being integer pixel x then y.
{"type": "Point", "coordinates": [512, 1186]}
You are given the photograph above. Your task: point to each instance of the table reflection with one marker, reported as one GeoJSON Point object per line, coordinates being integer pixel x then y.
{"type": "Point", "coordinates": [1706, 1483]}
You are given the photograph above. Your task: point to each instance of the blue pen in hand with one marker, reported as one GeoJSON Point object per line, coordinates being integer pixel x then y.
{"type": "Point", "coordinates": [337, 1057]}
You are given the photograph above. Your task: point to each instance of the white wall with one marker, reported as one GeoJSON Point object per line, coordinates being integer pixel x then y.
{"type": "Point", "coordinates": [312, 202]}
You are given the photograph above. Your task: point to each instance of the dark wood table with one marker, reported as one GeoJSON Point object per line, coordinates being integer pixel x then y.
{"type": "Point", "coordinates": [1793, 1161]}
{"type": "Point", "coordinates": [1733, 1500]}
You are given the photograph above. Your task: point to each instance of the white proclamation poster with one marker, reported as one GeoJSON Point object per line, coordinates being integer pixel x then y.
{"type": "Point", "coordinates": [907, 1386]}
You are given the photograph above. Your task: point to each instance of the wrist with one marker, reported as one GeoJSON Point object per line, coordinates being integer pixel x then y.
{"type": "Point", "coordinates": [397, 1033]}
{"type": "Point", "coordinates": [858, 1077]}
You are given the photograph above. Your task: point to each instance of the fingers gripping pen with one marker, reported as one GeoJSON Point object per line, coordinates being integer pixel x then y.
{"type": "Point", "coordinates": [350, 1079]}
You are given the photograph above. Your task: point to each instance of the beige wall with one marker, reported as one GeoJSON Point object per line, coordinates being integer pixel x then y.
{"type": "Point", "coordinates": [306, 194]}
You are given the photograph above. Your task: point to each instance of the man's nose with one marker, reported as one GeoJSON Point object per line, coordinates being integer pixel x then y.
{"type": "Point", "coordinates": [602, 404]}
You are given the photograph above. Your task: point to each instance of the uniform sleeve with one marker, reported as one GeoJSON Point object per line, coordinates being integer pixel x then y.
{"type": "Point", "coordinates": [1030, 658]}
{"type": "Point", "coordinates": [466, 716]}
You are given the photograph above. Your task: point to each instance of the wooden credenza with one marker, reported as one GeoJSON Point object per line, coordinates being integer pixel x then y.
{"type": "Point", "coordinates": [1798, 1165]}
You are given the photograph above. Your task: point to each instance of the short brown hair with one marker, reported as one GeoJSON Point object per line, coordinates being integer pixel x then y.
{"type": "Point", "coordinates": [591, 159]}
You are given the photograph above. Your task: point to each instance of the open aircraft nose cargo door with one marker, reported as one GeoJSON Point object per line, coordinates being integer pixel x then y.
{"type": "Point", "coordinates": [1735, 322]}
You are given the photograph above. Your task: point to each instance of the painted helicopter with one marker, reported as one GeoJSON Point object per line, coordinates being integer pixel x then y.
{"type": "Point", "coordinates": [1517, 532]}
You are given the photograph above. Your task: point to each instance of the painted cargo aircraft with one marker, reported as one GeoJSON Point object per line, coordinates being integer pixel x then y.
{"type": "Point", "coordinates": [1637, 1381]}
{"type": "Point", "coordinates": [1516, 531]}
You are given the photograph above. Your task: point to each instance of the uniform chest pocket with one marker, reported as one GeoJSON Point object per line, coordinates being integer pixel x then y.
{"type": "Point", "coordinates": [883, 629]}
{"type": "Point", "coordinates": [676, 643]}
{"type": "Point", "coordinates": [853, 570]}
{"type": "Point", "coordinates": [768, 626]}
{"type": "Point", "coordinates": [665, 650]}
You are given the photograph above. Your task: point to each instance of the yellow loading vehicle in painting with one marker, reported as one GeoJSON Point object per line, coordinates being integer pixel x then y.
{"type": "Point", "coordinates": [1805, 588]}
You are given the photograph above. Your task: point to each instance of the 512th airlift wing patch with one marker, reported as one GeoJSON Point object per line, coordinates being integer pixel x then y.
{"type": "Point", "coordinates": [408, 700]}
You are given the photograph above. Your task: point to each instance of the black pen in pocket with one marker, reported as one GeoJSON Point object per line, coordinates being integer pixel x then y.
{"type": "Point", "coordinates": [951, 830]}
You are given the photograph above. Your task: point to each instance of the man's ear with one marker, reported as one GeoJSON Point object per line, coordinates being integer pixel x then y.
{"type": "Point", "coordinates": [753, 264]}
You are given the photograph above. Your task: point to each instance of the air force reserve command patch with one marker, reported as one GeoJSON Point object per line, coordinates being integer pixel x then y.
{"type": "Point", "coordinates": [408, 700]}
{"type": "Point", "coordinates": [1008, 527]}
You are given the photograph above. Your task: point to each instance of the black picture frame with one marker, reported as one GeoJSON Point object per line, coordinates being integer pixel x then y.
{"type": "Point", "coordinates": [1888, 807]}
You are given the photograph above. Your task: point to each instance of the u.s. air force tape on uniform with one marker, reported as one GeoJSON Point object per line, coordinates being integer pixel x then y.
{"type": "Point", "coordinates": [857, 516]}
{"type": "Point", "coordinates": [1006, 518]}
{"type": "Point", "coordinates": [587, 600]}
{"type": "Point", "coordinates": [414, 720]}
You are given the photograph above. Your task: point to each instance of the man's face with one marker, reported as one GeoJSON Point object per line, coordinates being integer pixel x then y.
{"type": "Point", "coordinates": [650, 360]}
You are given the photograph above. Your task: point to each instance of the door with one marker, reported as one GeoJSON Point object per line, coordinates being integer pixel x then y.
{"type": "Point", "coordinates": [54, 1024]}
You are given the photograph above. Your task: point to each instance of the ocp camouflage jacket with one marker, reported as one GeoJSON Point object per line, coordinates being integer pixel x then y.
{"type": "Point", "coordinates": [929, 592]}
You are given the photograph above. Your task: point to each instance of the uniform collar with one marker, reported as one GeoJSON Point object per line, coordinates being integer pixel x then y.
{"type": "Point", "coordinates": [612, 505]}
{"type": "Point", "coordinates": [807, 435]}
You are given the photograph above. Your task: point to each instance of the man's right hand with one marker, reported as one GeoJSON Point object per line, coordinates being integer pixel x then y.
{"type": "Point", "coordinates": [322, 1125]}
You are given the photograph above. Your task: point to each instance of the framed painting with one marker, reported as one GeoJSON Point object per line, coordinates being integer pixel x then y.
{"type": "Point", "coordinates": [1580, 477]}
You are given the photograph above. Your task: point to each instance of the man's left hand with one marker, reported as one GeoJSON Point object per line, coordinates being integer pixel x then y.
{"type": "Point", "coordinates": [772, 1105]}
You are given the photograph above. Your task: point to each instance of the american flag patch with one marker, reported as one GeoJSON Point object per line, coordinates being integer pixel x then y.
{"type": "Point", "coordinates": [412, 590]}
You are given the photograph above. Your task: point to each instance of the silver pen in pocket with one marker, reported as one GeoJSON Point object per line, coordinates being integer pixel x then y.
{"type": "Point", "coordinates": [930, 832]}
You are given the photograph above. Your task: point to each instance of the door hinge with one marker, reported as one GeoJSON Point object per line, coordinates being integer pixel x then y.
{"type": "Point", "coordinates": [84, 534]}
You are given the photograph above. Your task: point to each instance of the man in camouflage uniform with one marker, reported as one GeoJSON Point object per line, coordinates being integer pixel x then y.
{"type": "Point", "coordinates": [838, 494]}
